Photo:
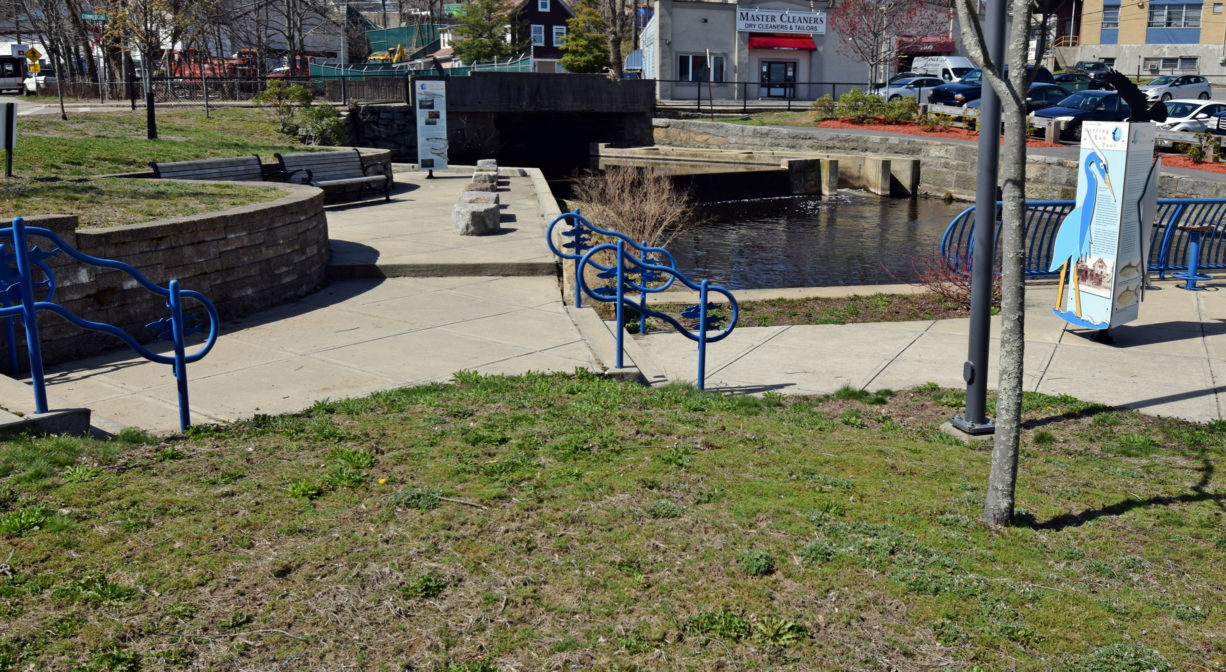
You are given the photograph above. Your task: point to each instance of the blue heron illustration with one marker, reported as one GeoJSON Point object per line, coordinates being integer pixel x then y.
{"type": "Point", "coordinates": [1073, 237]}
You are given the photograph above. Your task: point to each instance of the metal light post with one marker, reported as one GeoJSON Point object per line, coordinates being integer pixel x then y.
{"type": "Point", "coordinates": [344, 48]}
{"type": "Point", "coordinates": [975, 370]}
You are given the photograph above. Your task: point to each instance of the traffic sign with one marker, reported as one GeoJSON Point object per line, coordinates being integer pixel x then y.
{"type": "Point", "coordinates": [97, 35]}
{"type": "Point", "coordinates": [90, 16]}
{"type": "Point", "coordinates": [33, 54]}
{"type": "Point", "coordinates": [35, 68]}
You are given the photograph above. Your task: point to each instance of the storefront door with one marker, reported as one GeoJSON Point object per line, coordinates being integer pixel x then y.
{"type": "Point", "coordinates": [778, 79]}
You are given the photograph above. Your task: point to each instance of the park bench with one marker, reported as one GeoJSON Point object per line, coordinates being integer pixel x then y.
{"type": "Point", "coordinates": [235, 168]}
{"type": "Point", "coordinates": [339, 170]}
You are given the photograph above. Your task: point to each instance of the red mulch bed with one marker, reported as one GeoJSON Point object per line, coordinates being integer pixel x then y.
{"type": "Point", "coordinates": [912, 128]}
{"type": "Point", "coordinates": [1174, 161]}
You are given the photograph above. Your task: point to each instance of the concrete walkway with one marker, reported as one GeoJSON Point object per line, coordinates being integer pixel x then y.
{"type": "Point", "coordinates": [413, 302]}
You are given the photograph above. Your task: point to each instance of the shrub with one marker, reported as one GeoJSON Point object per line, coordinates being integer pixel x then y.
{"type": "Point", "coordinates": [823, 108]}
{"type": "Point", "coordinates": [644, 206]}
{"type": "Point", "coordinates": [901, 109]}
{"type": "Point", "coordinates": [285, 99]}
{"type": "Point", "coordinates": [322, 125]}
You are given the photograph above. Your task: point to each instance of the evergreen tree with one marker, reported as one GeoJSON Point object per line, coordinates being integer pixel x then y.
{"type": "Point", "coordinates": [481, 31]}
{"type": "Point", "coordinates": [586, 49]}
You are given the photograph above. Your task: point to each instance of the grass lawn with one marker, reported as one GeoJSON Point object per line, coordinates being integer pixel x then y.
{"type": "Point", "coordinates": [55, 163]}
{"type": "Point", "coordinates": [570, 522]}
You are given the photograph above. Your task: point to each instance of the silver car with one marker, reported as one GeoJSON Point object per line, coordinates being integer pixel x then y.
{"type": "Point", "coordinates": [1168, 87]}
{"type": "Point", "coordinates": [914, 87]}
{"type": "Point", "coordinates": [1189, 116]}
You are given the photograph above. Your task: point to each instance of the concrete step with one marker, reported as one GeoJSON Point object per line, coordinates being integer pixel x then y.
{"type": "Point", "coordinates": [600, 336]}
{"type": "Point", "coordinates": [17, 414]}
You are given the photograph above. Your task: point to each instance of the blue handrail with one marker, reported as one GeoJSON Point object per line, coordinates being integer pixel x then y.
{"type": "Point", "coordinates": [580, 232]}
{"type": "Point", "coordinates": [21, 287]}
{"type": "Point", "coordinates": [1168, 248]}
{"type": "Point", "coordinates": [627, 264]}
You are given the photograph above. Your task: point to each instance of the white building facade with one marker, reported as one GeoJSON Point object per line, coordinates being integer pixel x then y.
{"type": "Point", "coordinates": [767, 49]}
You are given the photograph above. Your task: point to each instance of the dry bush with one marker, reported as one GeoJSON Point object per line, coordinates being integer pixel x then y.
{"type": "Point", "coordinates": [935, 274]}
{"type": "Point", "coordinates": [646, 207]}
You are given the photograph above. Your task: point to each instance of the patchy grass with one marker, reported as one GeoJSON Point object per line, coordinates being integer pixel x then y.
{"type": "Point", "coordinates": [836, 310]}
{"type": "Point", "coordinates": [567, 521]}
{"type": "Point", "coordinates": [56, 163]}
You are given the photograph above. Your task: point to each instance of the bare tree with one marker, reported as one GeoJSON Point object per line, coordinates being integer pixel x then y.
{"type": "Point", "coordinates": [871, 29]}
{"type": "Point", "coordinates": [618, 26]}
{"type": "Point", "coordinates": [1011, 88]}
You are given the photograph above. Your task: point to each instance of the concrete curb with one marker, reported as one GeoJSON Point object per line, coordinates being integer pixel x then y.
{"type": "Point", "coordinates": [59, 419]}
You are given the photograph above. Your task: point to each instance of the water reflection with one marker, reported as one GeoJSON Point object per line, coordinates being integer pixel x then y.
{"type": "Point", "coordinates": [851, 238]}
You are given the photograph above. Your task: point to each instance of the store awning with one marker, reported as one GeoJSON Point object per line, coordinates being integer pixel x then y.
{"type": "Point", "coordinates": [793, 42]}
{"type": "Point", "coordinates": [933, 44]}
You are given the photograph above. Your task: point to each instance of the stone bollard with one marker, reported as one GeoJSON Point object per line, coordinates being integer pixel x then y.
{"type": "Point", "coordinates": [482, 196]}
{"type": "Point", "coordinates": [1052, 129]}
{"type": "Point", "coordinates": [476, 219]}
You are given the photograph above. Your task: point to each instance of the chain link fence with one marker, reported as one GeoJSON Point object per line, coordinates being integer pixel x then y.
{"type": "Point", "coordinates": [224, 90]}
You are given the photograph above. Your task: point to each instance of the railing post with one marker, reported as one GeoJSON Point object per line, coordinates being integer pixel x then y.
{"type": "Point", "coordinates": [621, 294]}
{"type": "Point", "coordinates": [643, 292]}
{"type": "Point", "coordinates": [28, 314]}
{"type": "Point", "coordinates": [702, 335]}
{"type": "Point", "coordinates": [177, 332]}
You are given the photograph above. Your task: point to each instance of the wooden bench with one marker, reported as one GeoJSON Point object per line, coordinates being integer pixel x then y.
{"type": "Point", "coordinates": [235, 169]}
{"type": "Point", "coordinates": [340, 169]}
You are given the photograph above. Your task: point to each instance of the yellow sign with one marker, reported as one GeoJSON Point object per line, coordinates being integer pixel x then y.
{"type": "Point", "coordinates": [33, 55]}
{"type": "Point", "coordinates": [34, 68]}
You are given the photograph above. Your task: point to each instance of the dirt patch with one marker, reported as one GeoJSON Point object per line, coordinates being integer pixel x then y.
{"type": "Point", "coordinates": [1174, 161]}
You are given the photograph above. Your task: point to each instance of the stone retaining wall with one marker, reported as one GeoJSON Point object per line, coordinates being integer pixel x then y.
{"type": "Point", "coordinates": [243, 259]}
{"type": "Point", "coordinates": [948, 169]}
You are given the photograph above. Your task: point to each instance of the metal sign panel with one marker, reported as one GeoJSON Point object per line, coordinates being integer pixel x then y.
{"type": "Point", "coordinates": [430, 104]}
{"type": "Point", "coordinates": [780, 21]}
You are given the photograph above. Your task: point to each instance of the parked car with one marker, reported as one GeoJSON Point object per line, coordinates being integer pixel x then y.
{"type": "Point", "coordinates": [1076, 81]}
{"type": "Point", "coordinates": [906, 74]}
{"type": "Point", "coordinates": [1085, 106]}
{"type": "Point", "coordinates": [1169, 87]}
{"type": "Point", "coordinates": [967, 89]}
{"type": "Point", "coordinates": [1038, 97]}
{"type": "Point", "coordinates": [12, 73]}
{"type": "Point", "coordinates": [912, 87]}
{"type": "Point", "coordinates": [1095, 70]}
{"type": "Point", "coordinates": [1189, 116]}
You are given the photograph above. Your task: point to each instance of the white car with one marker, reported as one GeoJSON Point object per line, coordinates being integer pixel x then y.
{"type": "Point", "coordinates": [1169, 87]}
{"type": "Point", "coordinates": [913, 87]}
{"type": "Point", "coordinates": [1189, 116]}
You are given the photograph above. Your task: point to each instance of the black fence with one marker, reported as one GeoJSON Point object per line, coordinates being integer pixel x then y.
{"type": "Point", "coordinates": [209, 90]}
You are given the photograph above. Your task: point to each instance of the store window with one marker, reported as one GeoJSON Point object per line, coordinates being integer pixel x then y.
{"type": "Point", "coordinates": [538, 35]}
{"type": "Point", "coordinates": [693, 68]}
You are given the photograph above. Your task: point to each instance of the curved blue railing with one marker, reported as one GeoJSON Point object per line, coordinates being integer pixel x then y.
{"type": "Point", "coordinates": [18, 288]}
{"type": "Point", "coordinates": [1168, 248]}
{"type": "Point", "coordinates": [621, 272]}
{"type": "Point", "coordinates": [580, 234]}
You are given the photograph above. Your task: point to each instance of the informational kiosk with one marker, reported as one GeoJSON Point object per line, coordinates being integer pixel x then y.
{"type": "Point", "coordinates": [430, 104]}
{"type": "Point", "coordinates": [1102, 245]}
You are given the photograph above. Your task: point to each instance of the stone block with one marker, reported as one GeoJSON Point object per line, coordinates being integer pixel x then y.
{"type": "Point", "coordinates": [485, 176]}
{"type": "Point", "coordinates": [877, 175]}
{"type": "Point", "coordinates": [487, 164]}
{"type": "Point", "coordinates": [475, 219]}
{"type": "Point", "coordinates": [481, 186]}
{"type": "Point", "coordinates": [479, 197]}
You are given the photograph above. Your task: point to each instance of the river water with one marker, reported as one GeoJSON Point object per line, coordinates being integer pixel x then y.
{"type": "Point", "coordinates": [850, 238]}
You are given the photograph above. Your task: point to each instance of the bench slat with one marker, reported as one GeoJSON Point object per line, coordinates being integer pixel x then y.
{"type": "Point", "coordinates": [237, 168]}
{"type": "Point", "coordinates": [337, 168]}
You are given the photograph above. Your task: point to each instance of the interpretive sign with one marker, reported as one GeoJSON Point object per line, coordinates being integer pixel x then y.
{"type": "Point", "coordinates": [430, 103]}
{"type": "Point", "coordinates": [1101, 246]}
{"type": "Point", "coordinates": [757, 20]}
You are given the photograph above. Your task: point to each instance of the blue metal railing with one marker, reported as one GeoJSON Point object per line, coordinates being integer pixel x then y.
{"type": "Point", "coordinates": [1168, 247]}
{"type": "Point", "coordinates": [17, 302]}
{"type": "Point", "coordinates": [625, 266]}
{"type": "Point", "coordinates": [580, 233]}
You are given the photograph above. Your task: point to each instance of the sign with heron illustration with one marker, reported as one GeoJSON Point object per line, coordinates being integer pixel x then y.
{"type": "Point", "coordinates": [1100, 247]}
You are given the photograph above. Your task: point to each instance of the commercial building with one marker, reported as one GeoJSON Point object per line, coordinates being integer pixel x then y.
{"type": "Point", "coordinates": [1153, 37]}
